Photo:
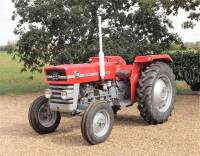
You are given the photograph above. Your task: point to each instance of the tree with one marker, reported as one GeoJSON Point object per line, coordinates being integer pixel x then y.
{"type": "Point", "coordinates": [66, 31]}
{"type": "Point", "coordinates": [9, 47]}
{"type": "Point", "coordinates": [191, 6]}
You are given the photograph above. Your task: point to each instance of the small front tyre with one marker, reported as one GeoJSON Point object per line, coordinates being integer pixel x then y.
{"type": "Point", "coordinates": [41, 118]}
{"type": "Point", "coordinates": [97, 122]}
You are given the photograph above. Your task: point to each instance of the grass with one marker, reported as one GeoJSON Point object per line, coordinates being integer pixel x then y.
{"type": "Point", "coordinates": [182, 86]}
{"type": "Point", "coordinates": [12, 80]}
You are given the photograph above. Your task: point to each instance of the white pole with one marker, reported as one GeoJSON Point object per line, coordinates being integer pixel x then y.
{"type": "Point", "coordinates": [101, 53]}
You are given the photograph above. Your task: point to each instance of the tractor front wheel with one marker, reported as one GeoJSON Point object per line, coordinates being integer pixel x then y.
{"type": "Point", "coordinates": [97, 122]}
{"type": "Point", "coordinates": [41, 118]}
{"type": "Point", "coordinates": [156, 93]}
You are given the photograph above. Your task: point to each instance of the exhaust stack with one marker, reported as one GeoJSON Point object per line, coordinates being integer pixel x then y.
{"type": "Point", "coordinates": [101, 53]}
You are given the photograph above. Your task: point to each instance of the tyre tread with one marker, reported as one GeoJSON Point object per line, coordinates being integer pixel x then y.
{"type": "Point", "coordinates": [145, 88]}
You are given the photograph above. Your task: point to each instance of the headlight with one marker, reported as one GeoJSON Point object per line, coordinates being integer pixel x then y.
{"type": "Point", "coordinates": [65, 94]}
{"type": "Point", "coordinates": [48, 93]}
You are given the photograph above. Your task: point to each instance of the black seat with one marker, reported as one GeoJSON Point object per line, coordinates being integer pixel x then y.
{"type": "Point", "coordinates": [123, 73]}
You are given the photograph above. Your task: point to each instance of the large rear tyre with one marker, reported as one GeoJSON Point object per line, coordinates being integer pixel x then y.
{"type": "Point", "coordinates": [41, 118]}
{"type": "Point", "coordinates": [156, 93]}
{"type": "Point", "coordinates": [97, 122]}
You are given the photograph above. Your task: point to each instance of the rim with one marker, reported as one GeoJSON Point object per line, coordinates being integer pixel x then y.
{"type": "Point", "coordinates": [47, 118]}
{"type": "Point", "coordinates": [162, 93]}
{"type": "Point", "coordinates": [101, 123]}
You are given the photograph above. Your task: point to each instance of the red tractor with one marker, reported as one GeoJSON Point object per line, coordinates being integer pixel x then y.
{"type": "Point", "coordinates": [102, 87]}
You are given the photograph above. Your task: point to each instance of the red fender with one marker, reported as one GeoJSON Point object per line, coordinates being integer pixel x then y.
{"type": "Point", "coordinates": [135, 74]}
{"type": "Point", "coordinates": [138, 66]}
{"type": "Point", "coordinates": [152, 58]}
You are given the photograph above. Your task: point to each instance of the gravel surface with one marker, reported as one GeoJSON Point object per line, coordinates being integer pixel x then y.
{"type": "Point", "coordinates": [130, 135]}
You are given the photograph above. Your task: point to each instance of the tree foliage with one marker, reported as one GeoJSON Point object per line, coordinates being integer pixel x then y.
{"type": "Point", "coordinates": [66, 31]}
{"type": "Point", "coordinates": [9, 47]}
{"type": "Point", "coordinates": [190, 6]}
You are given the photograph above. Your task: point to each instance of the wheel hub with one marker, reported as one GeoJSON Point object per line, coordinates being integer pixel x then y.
{"type": "Point", "coordinates": [46, 117]}
{"type": "Point", "coordinates": [101, 123]}
{"type": "Point", "coordinates": [162, 93]}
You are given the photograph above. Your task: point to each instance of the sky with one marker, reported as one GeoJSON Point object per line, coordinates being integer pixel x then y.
{"type": "Point", "coordinates": [7, 25]}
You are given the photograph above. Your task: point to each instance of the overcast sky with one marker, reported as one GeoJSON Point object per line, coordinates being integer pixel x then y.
{"type": "Point", "coordinates": [7, 25]}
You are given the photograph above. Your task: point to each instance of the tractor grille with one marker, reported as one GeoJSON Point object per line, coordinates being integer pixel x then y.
{"type": "Point", "coordinates": [56, 94]}
{"type": "Point", "coordinates": [56, 75]}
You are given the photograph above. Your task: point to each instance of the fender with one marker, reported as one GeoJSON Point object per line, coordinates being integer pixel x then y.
{"type": "Point", "coordinates": [136, 69]}
{"type": "Point", "coordinates": [151, 58]}
{"type": "Point", "coordinates": [138, 66]}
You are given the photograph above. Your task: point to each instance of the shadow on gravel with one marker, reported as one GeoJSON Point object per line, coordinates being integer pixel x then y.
{"type": "Point", "coordinates": [66, 136]}
{"type": "Point", "coordinates": [69, 139]}
{"type": "Point", "coordinates": [129, 120]}
{"type": "Point", "coordinates": [68, 133]}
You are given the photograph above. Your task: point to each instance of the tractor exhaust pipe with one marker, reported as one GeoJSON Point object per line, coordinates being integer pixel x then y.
{"type": "Point", "coordinates": [101, 53]}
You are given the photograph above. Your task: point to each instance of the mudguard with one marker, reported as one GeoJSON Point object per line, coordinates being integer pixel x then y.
{"type": "Point", "coordinates": [138, 66]}
{"type": "Point", "coordinates": [151, 58]}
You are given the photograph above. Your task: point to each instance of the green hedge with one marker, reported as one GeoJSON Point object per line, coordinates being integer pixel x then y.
{"type": "Point", "coordinates": [186, 67]}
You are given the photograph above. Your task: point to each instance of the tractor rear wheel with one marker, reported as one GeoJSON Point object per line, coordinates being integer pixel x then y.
{"type": "Point", "coordinates": [97, 122]}
{"type": "Point", "coordinates": [156, 93]}
{"type": "Point", "coordinates": [41, 118]}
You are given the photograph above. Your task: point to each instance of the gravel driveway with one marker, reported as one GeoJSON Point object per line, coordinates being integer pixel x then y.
{"type": "Point", "coordinates": [130, 135]}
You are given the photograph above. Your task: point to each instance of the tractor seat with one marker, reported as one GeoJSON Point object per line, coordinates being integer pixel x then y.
{"type": "Point", "coordinates": [123, 74]}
